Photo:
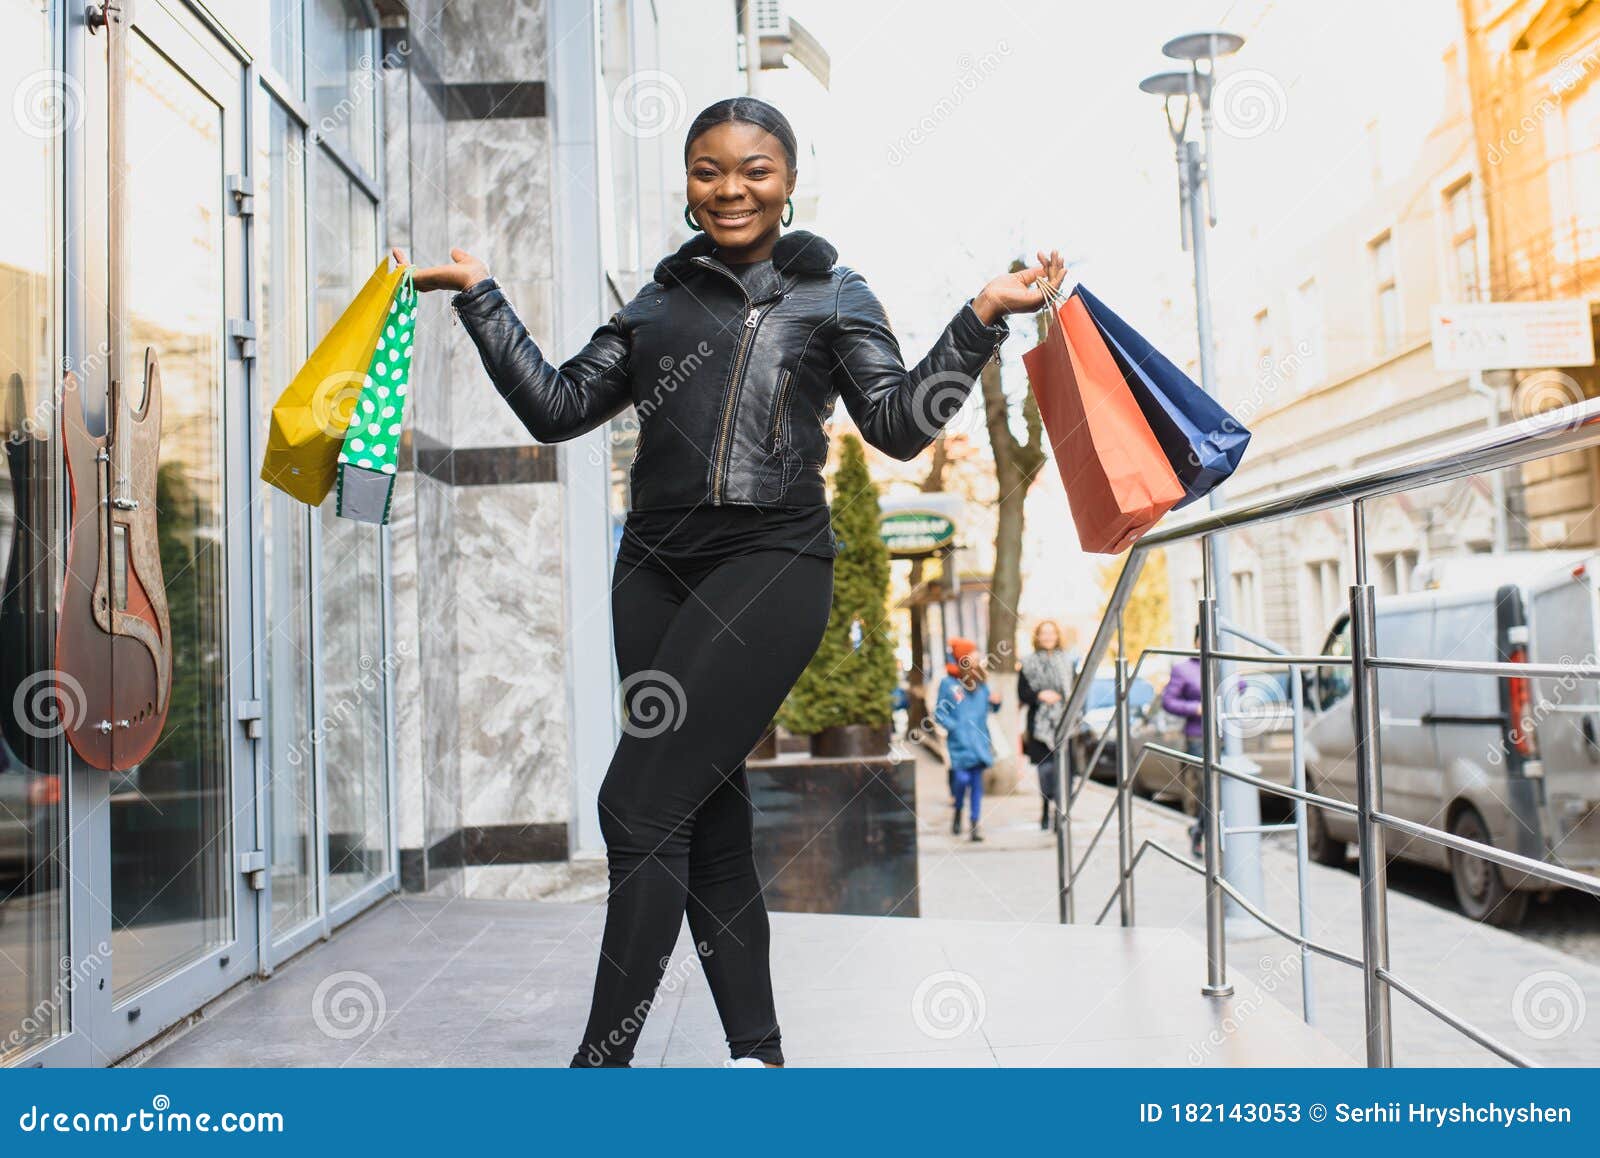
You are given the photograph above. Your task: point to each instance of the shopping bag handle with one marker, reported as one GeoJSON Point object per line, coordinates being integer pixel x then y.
{"type": "Point", "coordinates": [1052, 296]}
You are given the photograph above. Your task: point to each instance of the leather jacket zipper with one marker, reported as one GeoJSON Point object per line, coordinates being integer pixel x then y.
{"type": "Point", "coordinates": [719, 458]}
{"type": "Point", "coordinates": [777, 408]}
{"type": "Point", "coordinates": [724, 441]}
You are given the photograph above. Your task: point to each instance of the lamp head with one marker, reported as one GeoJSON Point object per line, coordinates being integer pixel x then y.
{"type": "Point", "coordinates": [1166, 84]}
{"type": "Point", "coordinates": [1198, 46]}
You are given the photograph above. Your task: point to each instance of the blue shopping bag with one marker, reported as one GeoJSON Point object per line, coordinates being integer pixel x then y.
{"type": "Point", "coordinates": [1201, 440]}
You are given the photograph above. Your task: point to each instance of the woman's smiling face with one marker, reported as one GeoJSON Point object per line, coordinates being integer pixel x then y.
{"type": "Point", "coordinates": [738, 180]}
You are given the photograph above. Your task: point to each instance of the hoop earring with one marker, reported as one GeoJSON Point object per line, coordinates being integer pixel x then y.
{"type": "Point", "coordinates": [789, 203]}
{"type": "Point", "coordinates": [690, 220]}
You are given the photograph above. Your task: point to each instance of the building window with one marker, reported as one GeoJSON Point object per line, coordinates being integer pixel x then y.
{"type": "Point", "coordinates": [1574, 180]}
{"type": "Point", "coordinates": [1463, 228]}
{"type": "Point", "coordinates": [1262, 328]}
{"type": "Point", "coordinates": [1246, 610]}
{"type": "Point", "coordinates": [1306, 324]}
{"type": "Point", "coordinates": [1382, 250]}
{"type": "Point", "coordinates": [1394, 572]}
{"type": "Point", "coordinates": [1324, 594]}
{"type": "Point", "coordinates": [287, 33]}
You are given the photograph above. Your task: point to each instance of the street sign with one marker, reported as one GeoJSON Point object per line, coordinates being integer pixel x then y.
{"type": "Point", "coordinates": [913, 532]}
{"type": "Point", "coordinates": [1512, 335]}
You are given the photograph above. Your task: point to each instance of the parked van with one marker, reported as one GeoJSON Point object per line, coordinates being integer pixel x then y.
{"type": "Point", "coordinates": [1514, 763]}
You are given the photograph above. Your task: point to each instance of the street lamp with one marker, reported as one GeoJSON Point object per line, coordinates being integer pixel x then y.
{"type": "Point", "coordinates": [1181, 91]}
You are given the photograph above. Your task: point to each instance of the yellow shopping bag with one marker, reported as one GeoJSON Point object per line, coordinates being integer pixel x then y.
{"type": "Point", "coordinates": [310, 417]}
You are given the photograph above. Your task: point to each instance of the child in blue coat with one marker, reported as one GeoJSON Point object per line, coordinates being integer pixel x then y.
{"type": "Point", "coordinates": [962, 709]}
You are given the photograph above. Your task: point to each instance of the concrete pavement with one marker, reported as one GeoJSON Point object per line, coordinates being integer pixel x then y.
{"type": "Point", "coordinates": [1530, 995]}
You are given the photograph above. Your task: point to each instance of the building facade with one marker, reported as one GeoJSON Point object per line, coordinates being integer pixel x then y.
{"type": "Point", "coordinates": [1533, 68]}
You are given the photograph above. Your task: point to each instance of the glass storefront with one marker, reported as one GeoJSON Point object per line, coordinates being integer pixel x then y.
{"type": "Point", "coordinates": [33, 902]}
{"type": "Point", "coordinates": [261, 816]}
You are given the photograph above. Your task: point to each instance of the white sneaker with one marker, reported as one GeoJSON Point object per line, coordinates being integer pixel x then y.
{"type": "Point", "coordinates": [744, 1063]}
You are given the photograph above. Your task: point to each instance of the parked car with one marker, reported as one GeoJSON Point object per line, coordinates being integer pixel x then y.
{"type": "Point", "coordinates": [1514, 763]}
{"type": "Point", "coordinates": [1261, 715]}
{"type": "Point", "coordinates": [1097, 712]}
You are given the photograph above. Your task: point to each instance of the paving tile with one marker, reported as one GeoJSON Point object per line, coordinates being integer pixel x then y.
{"type": "Point", "coordinates": [508, 983]}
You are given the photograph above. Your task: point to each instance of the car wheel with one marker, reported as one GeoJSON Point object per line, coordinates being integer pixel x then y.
{"type": "Point", "coordinates": [1481, 890]}
{"type": "Point", "coordinates": [1320, 844]}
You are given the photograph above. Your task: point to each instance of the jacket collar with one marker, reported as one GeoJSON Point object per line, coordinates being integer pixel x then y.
{"type": "Point", "coordinates": [796, 252]}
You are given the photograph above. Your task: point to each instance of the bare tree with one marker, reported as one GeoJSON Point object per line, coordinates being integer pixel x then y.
{"type": "Point", "coordinates": [1017, 465]}
{"type": "Point", "coordinates": [932, 484]}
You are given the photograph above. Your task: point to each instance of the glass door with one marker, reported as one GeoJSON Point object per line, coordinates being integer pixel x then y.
{"type": "Point", "coordinates": [174, 888]}
{"type": "Point", "coordinates": [37, 976]}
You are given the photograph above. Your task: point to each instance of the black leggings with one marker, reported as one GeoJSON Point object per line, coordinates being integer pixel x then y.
{"type": "Point", "coordinates": [706, 655]}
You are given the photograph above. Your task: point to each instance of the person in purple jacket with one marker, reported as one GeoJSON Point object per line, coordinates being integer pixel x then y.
{"type": "Point", "coordinates": [1182, 698]}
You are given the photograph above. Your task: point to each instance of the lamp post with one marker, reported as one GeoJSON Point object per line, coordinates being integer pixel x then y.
{"type": "Point", "coordinates": [1239, 803]}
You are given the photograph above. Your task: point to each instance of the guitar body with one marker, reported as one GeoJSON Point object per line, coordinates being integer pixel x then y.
{"type": "Point", "coordinates": [114, 636]}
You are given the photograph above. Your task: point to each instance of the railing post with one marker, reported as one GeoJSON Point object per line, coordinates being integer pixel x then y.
{"type": "Point", "coordinates": [1064, 762]}
{"type": "Point", "coordinates": [1124, 789]}
{"type": "Point", "coordinates": [1302, 854]}
{"type": "Point", "coordinates": [1369, 800]}
{"type": "Point", "coordinates": [1210, 804]}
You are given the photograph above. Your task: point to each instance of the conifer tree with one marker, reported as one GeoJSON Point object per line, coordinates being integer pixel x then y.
{"type": "Point", "coordinates": [853, 674]}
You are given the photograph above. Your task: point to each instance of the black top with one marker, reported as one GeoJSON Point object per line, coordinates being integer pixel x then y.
{"type": "Point", "coordinates": [687, 535]}
{"type": "Point", "coordinates": [670, 536]}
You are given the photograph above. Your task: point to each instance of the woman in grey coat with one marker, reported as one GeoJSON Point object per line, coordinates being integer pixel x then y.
{"type": "Point", "coordinates": [1043, 684]}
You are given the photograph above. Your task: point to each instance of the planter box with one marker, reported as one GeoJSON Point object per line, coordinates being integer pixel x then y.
{"type": "Point", "coordinates": [836, 835]}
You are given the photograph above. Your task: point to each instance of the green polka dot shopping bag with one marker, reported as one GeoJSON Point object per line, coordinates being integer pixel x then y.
{"type": "Point", "coordinates": [365, 481]}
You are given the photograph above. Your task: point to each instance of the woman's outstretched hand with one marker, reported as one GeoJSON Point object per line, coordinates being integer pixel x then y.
{"type": "Point", "coordinates": [1015, 293]}
{"type": "Point", "coordinates": [464, 270]}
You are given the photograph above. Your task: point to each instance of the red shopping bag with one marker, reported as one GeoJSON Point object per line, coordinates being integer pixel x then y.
{"type": "Point", "coordinates": [1118, 480]}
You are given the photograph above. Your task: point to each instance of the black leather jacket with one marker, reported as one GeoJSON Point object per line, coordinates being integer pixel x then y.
{"type": "Point", "coordinates": [732, 388]}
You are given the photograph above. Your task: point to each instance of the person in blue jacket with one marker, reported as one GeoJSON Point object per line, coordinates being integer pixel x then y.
{"type": "Point", "coordinates": [962, 709]}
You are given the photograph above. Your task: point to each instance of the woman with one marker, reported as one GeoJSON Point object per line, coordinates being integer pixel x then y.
{"type": "Point", "coordinates": [733, 356]}
{"type": "Point", "coordinates": [1043, 684]}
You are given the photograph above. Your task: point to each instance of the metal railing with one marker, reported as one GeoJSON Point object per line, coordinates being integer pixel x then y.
{"type": "Point", "coordinates": [1570, 428]}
